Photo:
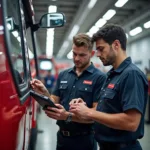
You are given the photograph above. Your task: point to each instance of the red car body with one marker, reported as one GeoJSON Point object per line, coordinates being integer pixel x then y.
{"type": "Point", "coordinates": [18, 110]}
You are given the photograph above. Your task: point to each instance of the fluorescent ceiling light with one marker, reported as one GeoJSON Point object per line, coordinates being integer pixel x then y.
{"type": "Point", "coordinates": [109, 14]}
{"type": "Point", "coordinates": [93, 30]}
{"type": "Point", "coordinates": [70, 55]}
{"type": "Point", "coordinates": [63, 48]}
{"type": "Point", "coordinates": [121, 3]}
{"type": "Point", "coordinates": [147, 24]}
{"type": "Point", "coordinates": [49, 42]}
{"type": "Point", "coordinates": [100, 22]}
{"type": "Point", "coordinates": [92, 3]}
{"type": "Point", "coordinates": [127, 35]}
{"type": "Point", "coordinates": [73, 31]}
{"type": "Point", "coordinates": [89, 34]}
{"type": "Point", "coordinates": [52, 8]}
{"type": "Point", "coordinates": [135, 31]}
{"type": "Point", "coordinates": [65, 44]}
{"type": "Point", "coordinates": [50, 34]}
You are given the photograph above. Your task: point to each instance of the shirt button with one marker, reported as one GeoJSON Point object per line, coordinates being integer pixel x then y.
{"type": "Point", "coordinates": [74, 86]}
{"type": "Point", "coordinates": [86, 89]}
{"type": "Point", "coordinates": [105, 94]}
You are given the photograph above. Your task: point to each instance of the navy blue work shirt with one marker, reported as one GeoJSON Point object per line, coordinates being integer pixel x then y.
{"type": "Point", "coordinates": [86, 86]}
{"type": "Point", "coordinates": [125, 88]}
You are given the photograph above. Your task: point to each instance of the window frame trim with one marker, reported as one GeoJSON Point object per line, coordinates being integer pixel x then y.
{"type": "Point", "coordinates": [22, 89]}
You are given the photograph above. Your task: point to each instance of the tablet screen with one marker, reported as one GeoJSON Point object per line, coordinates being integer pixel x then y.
{"type": "Point", "coordinates": [44, 101]}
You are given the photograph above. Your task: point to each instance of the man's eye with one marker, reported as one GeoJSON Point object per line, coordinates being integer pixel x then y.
{"type": "Point", "coordinates": [74, 54]}
{"type": "Point", "coordinates": [82, 55]}
{"type": "Point", "coordinates": [100, 49]}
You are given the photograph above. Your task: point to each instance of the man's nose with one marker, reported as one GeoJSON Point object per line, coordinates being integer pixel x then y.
{"type": "Point", "coordinates": [98, 54]}
{"type": "Point", "coordinates": [77, 58]}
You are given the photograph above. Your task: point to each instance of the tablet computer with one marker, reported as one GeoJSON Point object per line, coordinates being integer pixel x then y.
{"type": "Point", "coordinates": [44, 101]}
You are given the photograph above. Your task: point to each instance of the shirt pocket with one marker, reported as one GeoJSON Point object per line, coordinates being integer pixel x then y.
{"type": "Point", "coordinates": [109, 94]}
{"type": "Point", "coordinates": [86, 94]}
{"type": "Point", "coordinates": [63, 89]}
{"type": "Point", "coordinates": [63, 86]}
{"type": "Point", "coordinates": [85, 89]}
{"type": "Point", "coordinates": [110, 102]}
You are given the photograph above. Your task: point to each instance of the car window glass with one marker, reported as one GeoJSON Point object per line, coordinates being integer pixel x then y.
{"type": "Point", "coordinates": [14, 27]}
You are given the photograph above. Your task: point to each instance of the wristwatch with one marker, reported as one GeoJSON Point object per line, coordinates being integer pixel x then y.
{"type": "Point", "coordinates": [69, 118]}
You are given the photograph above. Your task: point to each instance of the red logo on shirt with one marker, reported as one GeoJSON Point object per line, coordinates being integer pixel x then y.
{"type": "Point", "coordinates": [111, 86]}
{"type": "Point", "coordinates": [87, 82]}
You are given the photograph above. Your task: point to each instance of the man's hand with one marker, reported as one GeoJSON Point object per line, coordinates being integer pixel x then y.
{"type": "Point", "coordinates": [57, 113]}
{"type": "Point", "coordinates": [80, 110]}
{"type": "Point", "coordinates": [39, 87]}
{"type": "Point", "coordinates": [77, 100]}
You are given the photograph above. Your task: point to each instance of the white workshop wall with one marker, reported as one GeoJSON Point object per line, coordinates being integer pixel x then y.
{"type": "Point", "coordinates": [140, 52]}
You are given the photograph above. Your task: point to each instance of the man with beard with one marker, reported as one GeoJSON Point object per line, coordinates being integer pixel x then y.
{"type": "Point", "coordinates": [120, 111]}
{"type": "Point", "coordinates": [82, 81]}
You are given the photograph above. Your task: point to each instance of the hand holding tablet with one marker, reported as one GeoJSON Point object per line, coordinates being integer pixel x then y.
{"type": "Point", "coordinates": [44, 101]}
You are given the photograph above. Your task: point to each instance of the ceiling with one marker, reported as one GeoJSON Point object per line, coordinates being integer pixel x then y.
{"type": "Point", "coordinates": [134, 13]}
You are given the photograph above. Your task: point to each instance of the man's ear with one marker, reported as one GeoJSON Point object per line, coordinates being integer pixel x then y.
{"type": "Point", "coordinates": [116, 44]}
{"type": "Point", "coordinates": [92, 53]}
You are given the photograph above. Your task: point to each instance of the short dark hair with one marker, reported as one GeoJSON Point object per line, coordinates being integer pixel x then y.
{"type": "Point", "coordinates": [83, 39]}
{"type": "Point", "coordinates": [109, 33]}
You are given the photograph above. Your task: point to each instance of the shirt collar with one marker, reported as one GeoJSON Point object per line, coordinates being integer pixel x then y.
{"type": "Point", "coordinates": [88, 69]}
{"type": "Point", "coordinates": [121, 67]}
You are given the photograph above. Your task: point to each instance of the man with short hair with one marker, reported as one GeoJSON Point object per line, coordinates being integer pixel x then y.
{"type": "Point", "coordinates": [120, 111]}
{"type": "Point", "coordinates": [82, 81]}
